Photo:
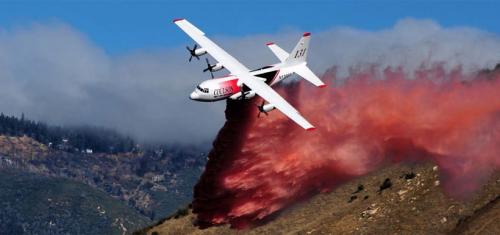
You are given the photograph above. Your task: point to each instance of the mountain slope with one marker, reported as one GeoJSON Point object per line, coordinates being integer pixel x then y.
{"type": "Point", "coordinates": [36, 204]}
{"type": "Point", "coordinates": [398, 199]}
{"type": "Point", "coordinates": [154, 182]}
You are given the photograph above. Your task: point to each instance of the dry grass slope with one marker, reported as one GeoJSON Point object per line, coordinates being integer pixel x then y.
{"type": "Point", "coordinates": [408, 204]}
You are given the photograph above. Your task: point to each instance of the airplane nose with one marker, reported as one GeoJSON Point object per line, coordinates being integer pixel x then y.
{"type": "Point", "coordinates": [194, 96]}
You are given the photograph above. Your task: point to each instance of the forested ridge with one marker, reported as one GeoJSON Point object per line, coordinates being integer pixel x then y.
{"type": "Point", "coordinates": [72, 138]}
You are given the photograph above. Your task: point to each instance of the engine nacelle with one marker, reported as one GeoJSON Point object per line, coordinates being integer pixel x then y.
{"type": "Point", "coordinates": [217, 67]}
{"type": "Point", "coordinates": [249, 94]}
{"type": "Point", "coordinates": [268, 107]}
{"type": "Point", "coordinates": [200, 51]}
{"type": "Point", "coordinates": [238, 96]}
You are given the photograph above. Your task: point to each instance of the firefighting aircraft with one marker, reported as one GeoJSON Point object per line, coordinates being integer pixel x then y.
{"type": "Point", "coordinates": [243, 83]}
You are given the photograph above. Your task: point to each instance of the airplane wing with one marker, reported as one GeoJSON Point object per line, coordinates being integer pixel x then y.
{"type": "Point", "coordinates": [242, 72]}
{"type": "Point", "coordinates": [267, 93]}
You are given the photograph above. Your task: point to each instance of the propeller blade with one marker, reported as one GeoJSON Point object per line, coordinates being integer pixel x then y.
{"type": "Point", "coordinates": [191, 52]}
{"type": "Point", "coordinates": [197, 57]}
{"type": "Point", "coordinates": [261, 108]}
{"type": "Point", "coordinates": [211, 73]}
{"type": "Point", "coordinates": [195, 46]}
{"type": "Point", "coordinates": [209, 67]}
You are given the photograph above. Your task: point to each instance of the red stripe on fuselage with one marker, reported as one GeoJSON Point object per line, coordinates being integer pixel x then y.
{"type": "Point", "coordinates": [233, 83]}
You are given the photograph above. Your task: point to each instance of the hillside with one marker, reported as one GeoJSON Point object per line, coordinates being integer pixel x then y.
{"type": "Point", "coordinates": [47, 205]}
{"type": "Point", "coordinates": [399, 199]}
{"type": "Point", "coordinates": [54, 191]}
{"type": "Point", "coordinates": [153, 182]}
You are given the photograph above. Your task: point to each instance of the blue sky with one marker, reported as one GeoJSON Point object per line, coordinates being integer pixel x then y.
{"type": "Point", "coordinates": [123, 26]}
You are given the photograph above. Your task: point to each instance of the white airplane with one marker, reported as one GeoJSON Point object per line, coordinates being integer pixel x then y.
{"type": "Point", "coordinates": [244, 83]}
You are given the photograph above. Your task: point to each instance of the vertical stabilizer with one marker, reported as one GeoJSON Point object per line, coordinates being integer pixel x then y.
{"type": "Point", "coordinates": [299, 53]}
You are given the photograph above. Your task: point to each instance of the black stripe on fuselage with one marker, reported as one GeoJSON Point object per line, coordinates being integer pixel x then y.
{"type": "Point", "coordinates": [269, 76]}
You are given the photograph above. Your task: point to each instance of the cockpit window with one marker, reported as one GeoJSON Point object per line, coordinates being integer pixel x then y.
{"type": "Point", "coordinates": [204, 90]}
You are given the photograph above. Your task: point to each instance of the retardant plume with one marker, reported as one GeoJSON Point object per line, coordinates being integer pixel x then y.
{"type": "Point", "coordinates": [259, 166]}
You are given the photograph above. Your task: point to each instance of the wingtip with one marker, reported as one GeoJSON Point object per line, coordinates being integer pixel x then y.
{"type": "Point", "coordinates": [311, 129]}
{"type": "Point", "coordinates": [177, 19]}
{"type": "Point", "coordinates": [321, 86]}
{"type": "Point", "coordinates": [269, 43]}
{"type": "Point", "coordinates": [306, 34]}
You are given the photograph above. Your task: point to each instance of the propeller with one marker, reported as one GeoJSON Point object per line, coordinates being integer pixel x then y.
{"type": "Point", "coordinates": [192, 52]}
{"type": "Point", "coordinates": [243, 93]}
{"type": "Point", "coordinates": [209, 68]}
{"type": "Point", "coordinates": [261, 109]}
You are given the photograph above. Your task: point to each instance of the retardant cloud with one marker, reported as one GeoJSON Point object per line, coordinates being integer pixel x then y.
{"type": "Point", "coordinates": [54, 73]}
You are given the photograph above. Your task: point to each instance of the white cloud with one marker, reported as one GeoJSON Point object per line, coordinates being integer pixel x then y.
{"type": "Point", "coordinates": [54, 73]}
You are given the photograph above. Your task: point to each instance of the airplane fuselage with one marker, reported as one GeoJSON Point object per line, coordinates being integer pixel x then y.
{"type": "Point", "coordinates": [228, 87]}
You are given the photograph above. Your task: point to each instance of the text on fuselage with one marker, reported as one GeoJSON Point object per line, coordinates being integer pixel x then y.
{"type": "Point", "coordinates": [283, 76]}
{"type": "Point", "coordinates": [223, 91]}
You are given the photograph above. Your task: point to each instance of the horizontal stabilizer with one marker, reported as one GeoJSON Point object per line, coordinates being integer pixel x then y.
{"type": "Point", "coordinates": [308, 75]}
{"type": "Point", "coordinates": [280, 53]}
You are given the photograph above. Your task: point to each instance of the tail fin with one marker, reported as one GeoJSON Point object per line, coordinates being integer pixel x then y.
{"type": "Point", "coordinates": [297, 59]}
{"type": "Point", "coordinates": [297, 56]}
{"type": "Point", "coordinates": [299, 53]}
